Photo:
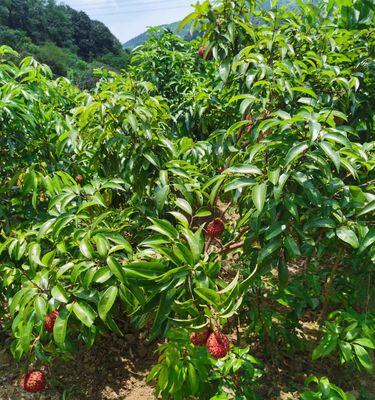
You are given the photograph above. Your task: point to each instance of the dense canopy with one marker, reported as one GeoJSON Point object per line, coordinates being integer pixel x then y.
{"type": "Point", "coordinates": [222, 187]}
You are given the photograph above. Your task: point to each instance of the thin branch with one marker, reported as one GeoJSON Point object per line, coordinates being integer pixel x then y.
{"type": "Point", "coordinates": [328, 287]}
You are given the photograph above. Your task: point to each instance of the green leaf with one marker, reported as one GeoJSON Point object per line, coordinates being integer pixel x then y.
{"type": "Point", "coordinates": [133, 121]}
{"type": "Point", "coordinates": [118, 239]}
{"type": "Point", "coordinates": [303, 89]}
{"type": "Point", "coordinates": [231, 286]}
{"type": "Point", "coordinates": [325, 347]}
{"type": "Point", "coordinates": [315, 129]}
{"type": "Point", "coordinates": [292, 247]}
{"type": "Point", "coordinates": [193, 379]}
{"type": "Point", "coordinates": [86, 248]}
{"type": "Point", "coordinates": [295, 152]}
{"type": "Point", "coordinates": [203, 212]}
{"type": "Point", "coordinates": [59, 293]}
{"type": "Point", "coordinates": [259, 196]}
{"type": "Point", "coordinates": [370, 207]}
{"type": "Point", "coordinates": [161, 196]}
{"type": "Point", "coordinates": [268, 250]}
{"type": "Point", "coordinates": [243, 170]}
{"type": "Point", "coordinates": [25, 336]}
{"type": "Point", "coordinates": [224, 70]}
{"type": "Point", "coordinates": [209, 295]}
{"type": "Point", "coordinates": [180, 218]}
{"type": "Point", "coordinates": [238, 183]}
{"type": "Point", "coordinates": [215, 190]}
{"type": "Point", "coordinates": [363, 357]}
{"type": "Point", "coordinates": [346, 351]}
{"type": "Point", "coordinates": [335, 157]}
{"type": "Point", "coordinates": [106, 301]}
{"type": "Point", "coordinates": [348, 236]}
{"type": "Point", "coordinates": [60, 327]}
{"type": "Point", "coordinates": [22, 296]}
{"type": "Point", "coordinates": [45, 227]}
{"type": "Point", "coordinates": [319, 223]}
{"type": "Point", "coordinates": [164, 227]}
{"type": "Point", "coordinates": [273, 176]}
{"type": "Point", "coordinates": [40, 307]}
{"type": "Point", "coordinates": [183, 253]}
{"type": "Point", "coordinates": [148, 270]}
{"type": "Point", "coordinates": [116, 269]}
{"type": "Point", "coordinates": [274, 230]}
{"type": "Point", "coordinates": [184, 205]}
{"type": "Point", "coordinates": [102, 245]}
{"type": "Point", "coordinates": [34, 253]}
{"type": "Point", "coordinates": [196, 242]}
{"type": "Point", "coordinates": [366, 342]}
{"type": "Point", "coordinates": [84, 313]}
{"type": "Point", "coordinates": [283, 273]}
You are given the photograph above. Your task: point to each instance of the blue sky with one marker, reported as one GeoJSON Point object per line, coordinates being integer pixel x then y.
{"type": "Point", "coordinates": [128, 18]}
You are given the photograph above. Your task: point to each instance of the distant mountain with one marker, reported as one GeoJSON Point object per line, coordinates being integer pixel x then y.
{"type": "Point", "coordinates": [67, 40]}
{"type": "Point", "coordinates": [173, 27]}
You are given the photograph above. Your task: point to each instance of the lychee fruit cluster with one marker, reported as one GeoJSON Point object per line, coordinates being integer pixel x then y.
{"type": "Point", "coordinates": [49, 321]}
{"type": "Point", "coordinates": [33, 382]}
{"type": "Point", "coordinates": [218, 344]}
{"type": "Point", "coordinates": [215, 228]}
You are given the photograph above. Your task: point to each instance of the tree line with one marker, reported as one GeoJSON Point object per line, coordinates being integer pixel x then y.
{"type": "Point", "coordinates": [57, 34]}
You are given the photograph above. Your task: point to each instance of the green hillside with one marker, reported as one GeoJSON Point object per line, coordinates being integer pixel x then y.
{"type": "Point", "coordinates": [67, 40]}
{"type": "Point", "coordinates": [173, 27]}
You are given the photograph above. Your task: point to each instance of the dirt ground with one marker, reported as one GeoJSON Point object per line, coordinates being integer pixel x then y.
{"type": "Point", "coordinates": [115, 368]}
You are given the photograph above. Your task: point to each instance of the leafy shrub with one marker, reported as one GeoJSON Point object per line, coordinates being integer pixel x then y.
{"type": "Point", "coordinates": [108, 195]}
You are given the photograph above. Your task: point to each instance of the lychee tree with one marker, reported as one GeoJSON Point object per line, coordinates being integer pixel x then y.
{"type": "Point", "coordinates": [216, 208]}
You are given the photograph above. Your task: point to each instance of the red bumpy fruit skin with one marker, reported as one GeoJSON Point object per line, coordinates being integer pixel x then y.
{"type": "Point", "coordinates": [79, 179]}
{"type": "Point", "coordinates": [33, 382]}
{"type": "Point", "coordinates": [202, 51]}
{"type": "Point", "coordinates": [218, 345]}
{"type": "Point", "coordinates": [49, 321]}
{"type": "Point", "coordinates": [200, 338]}
{"type": "Point", "coordinates": [215, 228]}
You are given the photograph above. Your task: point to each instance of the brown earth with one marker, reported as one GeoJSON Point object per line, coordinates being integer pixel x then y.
{"type": "Point", "coordinates": [115, 368]}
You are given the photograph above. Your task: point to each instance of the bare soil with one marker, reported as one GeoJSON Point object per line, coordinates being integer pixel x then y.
{"type": "Point", "coordinates": [116, 368]}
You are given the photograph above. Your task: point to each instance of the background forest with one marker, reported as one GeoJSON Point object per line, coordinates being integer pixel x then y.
{"type": "Point", "coordinates": [67, 40]}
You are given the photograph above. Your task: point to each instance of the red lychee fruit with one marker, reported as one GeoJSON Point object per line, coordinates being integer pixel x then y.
{"type": "Point", "coordinates": [215, 228]}
{"type": "Point", "coordinates": [33, 382]}
{"type": "Point", "coordinates": [339, 120]}
{"type": "Point", "coordinates": [218, 344]}
{"type": "Point", "coordinates": [79, 179]}
{"type": "Point", "coordinates": [202, 52]}
{"type": "Point", "coordinates": [200, 338]}
{"type": "Point", "coordinates": [49, 321]}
